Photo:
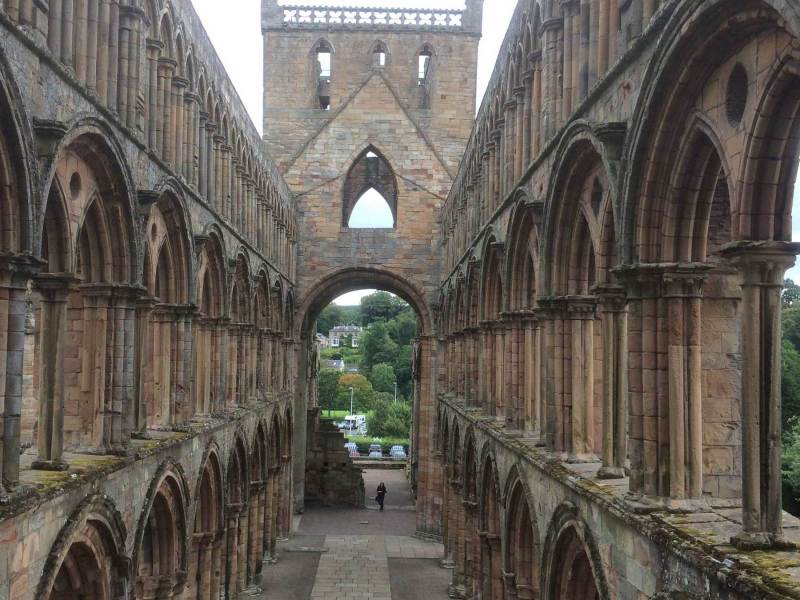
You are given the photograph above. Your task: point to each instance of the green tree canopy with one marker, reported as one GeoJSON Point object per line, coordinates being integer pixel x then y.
{"type": "Point", "coordinates": [380, 306]}
{"type": "Point", "coordinates": [376, 346]}
{"type": "Point", "coordinates": [328, 382]}
{"type": "Point", "coordinates": [791, 294]}
{"type": "Point", "coordinates": [790, 382]}
{"type": "Point", "coordinates": [363, 394]}
{"type": "Point", "coordinates": [382, 378]}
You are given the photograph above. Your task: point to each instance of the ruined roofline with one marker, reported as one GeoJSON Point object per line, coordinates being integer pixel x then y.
{"type": "Point", "coordinates": [313, 17]}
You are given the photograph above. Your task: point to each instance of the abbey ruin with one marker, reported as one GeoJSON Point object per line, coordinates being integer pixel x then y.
{"type": "Point", "coordinates": [596, 262]}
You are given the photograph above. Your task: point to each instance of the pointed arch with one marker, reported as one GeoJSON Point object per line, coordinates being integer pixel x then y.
{"type": "Point", "coordinates": [87, 557]}
{"type": "Point", "coordinates": [369, 171]}
{"type": "Point", "coordinates": [160, 549]}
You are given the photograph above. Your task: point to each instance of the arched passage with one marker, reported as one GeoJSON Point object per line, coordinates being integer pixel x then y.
{"type": "Point", "coordinates": [320, 294]}
{"type": "Point", "coordinates": [207, 535]}
{"type": "Point", "coordinates": [87, 289]}
{"type": "Point", "coordinates": [160, 555]}
{"type": "Point", "coordinates": [491, 560]}
{"type": "Point", "coordinates": [87, 559]}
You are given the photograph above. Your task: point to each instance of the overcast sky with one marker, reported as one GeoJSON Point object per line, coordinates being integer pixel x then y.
{"type": "Point", "coordinates": [235, 29]}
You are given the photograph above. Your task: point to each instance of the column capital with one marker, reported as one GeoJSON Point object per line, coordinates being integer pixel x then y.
{"type": "Point", "coordinates": [610, 297]}
{"type": "Point", "coordinates": [55, 286]}
{"type": "Point", "coordinates": [762, 262]}
{"type": "Point", "coordinates": [16, 269]}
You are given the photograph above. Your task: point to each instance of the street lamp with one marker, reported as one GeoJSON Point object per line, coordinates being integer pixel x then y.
{"type": "Point", "coordinates": [351, 405]}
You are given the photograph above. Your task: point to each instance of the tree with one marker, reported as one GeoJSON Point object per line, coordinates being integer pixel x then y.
{"type": "Point", "coordinates": [791, 325]}
{"type": "Point", "coordinates": [380, 305]}
{"type": "Point", "coordinates": [402, 370]}
{"type": "Point", "coordinates": [382, 378]}
{"type": "Point", "coordinates": [330, 316]}
{"type": "Point", "coordinates": [790, 383]}
{"type": "Point", "coordinates": [363, 394]}
{"type": "Point", "coordinates": [791, 293]}
{"type": "Point", "coordinates": [376, 419]}
{"type": "Point", "coordinates": [327, 384]}
{"type": "Point", "coordinates": [406, 329]}
{"type": "Point", "coordinates": [791, 456]}
{"type": "Point", "coordinates": [376, 346]}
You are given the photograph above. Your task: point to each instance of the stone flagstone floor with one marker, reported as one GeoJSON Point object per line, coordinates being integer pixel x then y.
{"type": "Point", "coordinates": [341, 554]}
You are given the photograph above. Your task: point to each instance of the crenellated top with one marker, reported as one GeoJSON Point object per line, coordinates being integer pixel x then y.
{"type": "Point", "coordinates": [308, 16]}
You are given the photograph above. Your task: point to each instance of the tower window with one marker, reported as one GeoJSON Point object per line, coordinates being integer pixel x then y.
{"type": "Point", "coordinates": [323, 55]}
{"type": "Point", "coordinates": [423, 66]}
{"type": "Point", "coordinates": [379, 56]}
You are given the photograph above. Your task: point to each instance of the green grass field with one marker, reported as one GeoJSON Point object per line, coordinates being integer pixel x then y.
{"type": "Point", "coordinates": [336, 415]}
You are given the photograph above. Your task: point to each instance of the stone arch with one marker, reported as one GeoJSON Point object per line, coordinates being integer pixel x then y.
{"type": "Point", "coordinates": [160, 554]}
{"type": "Point", "coordinates": [331, 286]}
{"type": "Point", "coordinates": [168, 280]}
{"type": "Point", "coordinates": [523, 555]}
{"type": "Point", "coordinates": [209, 514]}
{"type": "Point", "coordinates": [572, 569]}
{"type": "Point", "coordinates": [16, 162]}
{"type": "Point", "coordinates": [369, 170]}
{"type": "Point", "coordinates": [208, 333]}
{"type": "Point", "coordinates": [237, 483]}
{"type": "Point", "coordinates": [87, 557]}
{"type": "Point", "coordinates": [760, 183]}
{"type": "Point", "coordinates": [89, 240]}
{"type": "Point", "coordinates": [680, 63]}
{"type": "Point", "coordinates": [522, 260]}
{"type": "Point", "coordinates": [491, 560]}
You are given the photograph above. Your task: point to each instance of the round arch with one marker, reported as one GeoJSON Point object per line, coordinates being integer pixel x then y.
{"type": "Point", "coordinates": [324, 291]}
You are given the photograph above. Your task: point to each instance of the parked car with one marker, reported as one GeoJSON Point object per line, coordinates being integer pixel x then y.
{"type": "Point", "coordinates": [398, 452]}
{"type": "Point", "coordinates": [375, 451]}
{"type": "Point", "coordinates": [352, 449]}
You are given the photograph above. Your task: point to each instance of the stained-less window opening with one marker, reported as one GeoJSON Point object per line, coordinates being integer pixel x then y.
{"type": "Point", "coordinates": [424, 63]}
{"type": "Point", "coordinates": [322, 68]}
{"type": "Point", "coordinates": [371, 211]}
{"type": "Point", "coordinates": [379, 56]}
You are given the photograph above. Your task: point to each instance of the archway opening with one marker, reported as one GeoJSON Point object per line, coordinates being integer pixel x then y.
{"type": "Point", "coordinates": [363, 377]}
{"type": "Point", "coordinates": [371, 211]}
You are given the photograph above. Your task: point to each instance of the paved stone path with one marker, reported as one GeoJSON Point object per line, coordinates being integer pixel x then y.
{"type": "Point", "coordinates": [340, 554]}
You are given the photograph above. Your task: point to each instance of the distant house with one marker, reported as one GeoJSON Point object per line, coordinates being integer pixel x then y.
{"type": "Point", "coordinates": [338, 334]}
{"type": "Point", "coordinates": [323, 341]}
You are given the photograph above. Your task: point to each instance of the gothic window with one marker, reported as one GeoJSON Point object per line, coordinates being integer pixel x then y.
{"type": "Point", "coordinates": [323, 60]}
{"type": "Point", "coordinates": [379, 54]}
{"type": "Point", "coordinates": [370, 193]}
{"type": "Point", "coordinates": [424, 75]}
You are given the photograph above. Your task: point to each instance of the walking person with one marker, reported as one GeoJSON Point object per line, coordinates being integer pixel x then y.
{"type": "Point", "coordinates": [380, 494]}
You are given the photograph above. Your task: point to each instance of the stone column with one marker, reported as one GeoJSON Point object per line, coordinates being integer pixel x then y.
{"type": "Point", "coordinates": [613, 314]}
{"type": "Point", "coordinates": [14, 275]}
{"type": "Point", "coordinates": [144, 310]}
{"type": "Point", "coordinates": [153, 50]}
{"type": "Point", "coordinates": [54, 290]}
{"type": "Point", "coordinates": [682, 290]}
{"type": "Point", "coordinates": [763, 266]}
{"type": "Point", "coordinates": [580, 315]}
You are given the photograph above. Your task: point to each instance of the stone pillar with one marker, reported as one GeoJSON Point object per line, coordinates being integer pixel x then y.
{"type": "Point", "coordinates": [763, 266]}
{"type": "Point", "coordinates": [153, 51]}
{"type": "Point", "coordinates": [682, 290]}
{"type": "Point", "coordinates": [14, 275]}
{"type": "Point", "coordinates": [613, 314]}
{"type": "Point", "coordinates": [54, 290]}
{"type": "Point", "coordinates": [580, 314]}
{"type": "Point", "coordinates": [144, 310]}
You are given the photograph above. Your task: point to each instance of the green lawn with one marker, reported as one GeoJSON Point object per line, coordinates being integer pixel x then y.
{"type": "Point", "coordinates": [336, 415]}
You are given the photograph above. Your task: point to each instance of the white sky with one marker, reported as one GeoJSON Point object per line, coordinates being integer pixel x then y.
{"type": "Point", "coordinates": [240, 49]}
